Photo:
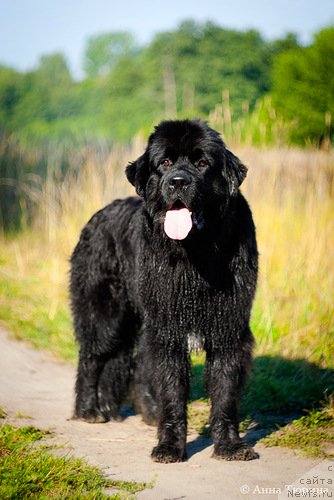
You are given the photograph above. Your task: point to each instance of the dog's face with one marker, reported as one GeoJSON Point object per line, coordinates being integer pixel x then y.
{"type": "Point", "coordinates": [185, 174]}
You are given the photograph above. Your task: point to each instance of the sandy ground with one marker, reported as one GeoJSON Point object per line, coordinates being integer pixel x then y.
{"type": "Point", "coordinates": [39, 387]}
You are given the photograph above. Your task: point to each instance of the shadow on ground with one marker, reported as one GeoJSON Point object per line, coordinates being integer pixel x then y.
{"type": "Point", "coordinates": [279, 390]}
{"type": "Point", "coordinates": [283, 386]}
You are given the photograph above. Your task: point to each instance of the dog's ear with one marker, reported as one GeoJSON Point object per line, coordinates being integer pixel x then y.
{"type": "Point", "coordinates": [137, 173]}
{"type": "Point", "coordinates": [234, 172]}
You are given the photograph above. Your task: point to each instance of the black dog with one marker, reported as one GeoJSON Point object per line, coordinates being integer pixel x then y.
{"type": "Point", "coordinates": [153, 273]}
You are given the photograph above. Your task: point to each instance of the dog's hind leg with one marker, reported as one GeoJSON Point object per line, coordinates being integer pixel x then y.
{"type": "Point", "coordinates": [105, 367]}
{"type": "Point", "coordinates": [114, 384]}
{"type": "Point", "coordinates": [86, 404]}
{"type": "Point", "coordinates": [104, 321]}
{"type": "Point", "coordinates": [144, 393]}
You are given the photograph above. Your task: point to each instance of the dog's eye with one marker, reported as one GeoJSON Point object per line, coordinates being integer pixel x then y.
{"type": "Point", "coordinates": [166, 163]}
{"type": "Point", "coordinates": [202, 164]}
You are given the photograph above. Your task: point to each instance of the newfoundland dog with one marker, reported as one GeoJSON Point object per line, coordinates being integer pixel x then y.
{"type": "Point", "coordinates": [156, 274]}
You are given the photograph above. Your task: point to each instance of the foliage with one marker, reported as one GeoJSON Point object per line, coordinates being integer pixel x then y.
{"type": "Point", "coordinates": [47, 118]}
{"type": "Point", "coordinates": [303, 88]}
{"type": "Point", "coordinates": [10, 93]}
{"type": "Point", "coordinates": [183, 72]}
{"type": "Point", "coordinates": [262, 127]}
{"type": "Point", "coordinates": [104, 51]}
{"type": "Point", "coordinates": [194, 70]}
{"type": "Point", "coordinates": [204, 60]}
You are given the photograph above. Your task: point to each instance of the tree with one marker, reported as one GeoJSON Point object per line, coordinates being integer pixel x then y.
{"type": "Point", "coordinates": [53, 71]}
{"type": "Point", "coordinates": [190, 71]}
{"type": "Point", "coordinates": [47, 94]}
{"type": "Point", "coordinates": [303, 88]}
{"type": "Point", "coordinates": [10, 94]}
{"type": "Point", "coordinates": [104, 51]}
{"type": "Point", "coordinates": [205, 60]}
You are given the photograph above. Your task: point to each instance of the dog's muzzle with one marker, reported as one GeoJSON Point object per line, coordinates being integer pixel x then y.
{"type": "Point", "coordinates": [178, 220]}
{"type": "Point", "coordinates": [179, 181]}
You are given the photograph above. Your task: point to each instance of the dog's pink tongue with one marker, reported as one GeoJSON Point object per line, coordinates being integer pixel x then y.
{"type": "Point", "coordinates": [178, 223]}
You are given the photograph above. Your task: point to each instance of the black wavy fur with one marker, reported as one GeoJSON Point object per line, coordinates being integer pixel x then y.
{"type": "Point", "coordinates": [139, 296]}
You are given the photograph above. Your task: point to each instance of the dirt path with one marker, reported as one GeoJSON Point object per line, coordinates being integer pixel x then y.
{"type": "Point", "coordinates": [37, 386]}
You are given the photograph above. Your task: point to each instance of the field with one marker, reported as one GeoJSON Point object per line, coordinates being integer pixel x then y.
{"type": "Point", "coordinates": [291, 193]}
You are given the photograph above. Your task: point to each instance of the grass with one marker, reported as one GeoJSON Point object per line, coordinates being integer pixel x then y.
{"type": "Point", "coordinates": [291, 193]}
{"type": "Point", "coordinates": [292, 196]}
{"type": "Point", "coordinates": [34, 304]}
{"type": "Point", "coordinates": [312, 435]}
{"type": "Point", "coordinates": [28, 470]}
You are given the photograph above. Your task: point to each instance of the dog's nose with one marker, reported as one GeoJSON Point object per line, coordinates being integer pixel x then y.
{"type": "Point", "coordinates": [179, 181]}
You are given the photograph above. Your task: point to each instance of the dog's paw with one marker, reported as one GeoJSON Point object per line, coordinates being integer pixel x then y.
{"type": "Point", "coordinates": [234, 451]}
{"type": "Point", "coordinates": [109, 412]}
{"type": "Point", "coordinates": [167, 454]}
{"type": "Point", "coordinates": [91, 416]}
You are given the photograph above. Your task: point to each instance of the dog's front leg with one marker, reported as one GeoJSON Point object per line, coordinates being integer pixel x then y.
{"type": "Point", "coordinates": [226, 373]}
{"type": "Point", "coordinates": [171, 369]}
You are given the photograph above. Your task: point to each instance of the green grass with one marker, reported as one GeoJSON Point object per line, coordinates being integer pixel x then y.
{"type": "Point", "coordinates": [312, 434]}
{"type": "Point", "coordinates": [285, 386]}
{"type": "Point", "coordinates": [279, 389]}
{"type": "Point", "coordinates": [29, 470]}
{"type": "Point", "coordinates": [33, 312]}
{"type": "Point", "coordinates": [276, 385]}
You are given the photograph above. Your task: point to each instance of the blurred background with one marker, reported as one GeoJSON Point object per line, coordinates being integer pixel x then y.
{"type": "Point", "coordinates": [81, 86]}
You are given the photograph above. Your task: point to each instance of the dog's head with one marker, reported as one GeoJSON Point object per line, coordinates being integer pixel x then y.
{"type": "Point", "coordinates": [185, 174]}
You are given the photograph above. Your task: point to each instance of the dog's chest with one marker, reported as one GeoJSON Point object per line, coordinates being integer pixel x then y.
{"type": "Point", "coordinates": [177, 295]}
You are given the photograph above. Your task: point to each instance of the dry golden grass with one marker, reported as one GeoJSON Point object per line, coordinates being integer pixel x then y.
{"type": "Point", "coordinates": [291, 193]}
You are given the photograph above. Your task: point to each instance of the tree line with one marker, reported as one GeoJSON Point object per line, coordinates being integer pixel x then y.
{"type": "Point", "coordinates": [184, 72]}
